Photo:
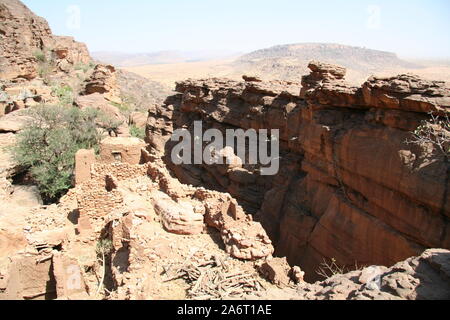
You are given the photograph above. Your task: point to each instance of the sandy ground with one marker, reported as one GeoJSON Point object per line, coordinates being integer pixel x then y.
{"type": "Point", "coordinates": [170, 73]}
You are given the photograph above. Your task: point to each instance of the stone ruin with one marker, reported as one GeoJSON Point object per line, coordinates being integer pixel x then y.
{"type": "Point", "coordinates": [104, 207]}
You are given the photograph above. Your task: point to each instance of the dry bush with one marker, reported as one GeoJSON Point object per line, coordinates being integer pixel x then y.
{"type": "Point", "coordinates": [327, 269]}
{"type": "Point", "coordinates": [435, 131]}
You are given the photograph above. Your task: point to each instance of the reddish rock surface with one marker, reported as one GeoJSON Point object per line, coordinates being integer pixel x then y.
{"type": "Point", "coordinates": [349, 185]}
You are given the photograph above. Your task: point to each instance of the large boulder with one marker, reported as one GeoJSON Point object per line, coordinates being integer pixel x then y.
{"type": "Point", "coordinates": [179, 218]}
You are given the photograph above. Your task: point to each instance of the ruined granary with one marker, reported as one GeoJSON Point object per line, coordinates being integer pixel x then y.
{"type": "Point", "coordinates": [127, 150]}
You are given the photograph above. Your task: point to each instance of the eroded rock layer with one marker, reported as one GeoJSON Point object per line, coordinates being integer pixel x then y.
{"type": "Point", "coordinates": [350, 186]}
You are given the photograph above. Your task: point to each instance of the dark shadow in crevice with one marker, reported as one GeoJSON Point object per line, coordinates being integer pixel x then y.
{"type": "Point", "coordinates": [50, 290]}
{"type": "Point", "coordinates": [121, 259]}
{"type": "Point", "coordinates": [74, 216]}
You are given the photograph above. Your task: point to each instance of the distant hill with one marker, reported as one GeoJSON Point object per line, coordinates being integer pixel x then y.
{"type": "Point", "coordinates": [289, 61]}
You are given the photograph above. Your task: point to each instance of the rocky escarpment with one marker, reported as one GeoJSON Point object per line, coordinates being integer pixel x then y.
{"type": "Point", "coordinates": [350, 187]}
{"type": "Point", "coordinates": [24, 36]}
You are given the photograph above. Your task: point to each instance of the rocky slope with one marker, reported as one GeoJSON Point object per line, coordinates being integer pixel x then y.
{"type": "Point", "coordinates": [37, 67]}
{"type": "Point", "coordinates": [34, 62]}
{"type": "Point", "coordinates": [350, 187]}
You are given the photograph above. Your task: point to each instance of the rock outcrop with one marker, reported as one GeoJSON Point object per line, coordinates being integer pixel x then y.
{"type": "Point", "coordinates": [418, 278]}
{"type": "Point", "coordinates": [26, 39]}
{"type": "Point", "coordinates": [103, 81]}
{"type": "Point", "coordinates": [350, 187]}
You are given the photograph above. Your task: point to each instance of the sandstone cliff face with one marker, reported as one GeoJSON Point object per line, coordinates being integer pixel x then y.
{"type": "Point", "coordinates": [23, 34]}
{"type": "Point", "coordinates": [349, 185]}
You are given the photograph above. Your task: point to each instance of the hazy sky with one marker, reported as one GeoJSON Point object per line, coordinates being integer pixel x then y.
{"type": "Point", "coordinates": [411, 28]}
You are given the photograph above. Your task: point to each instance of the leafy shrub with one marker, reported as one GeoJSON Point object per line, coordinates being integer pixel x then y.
{"type": "Point", "coordinates": [137, 132]}
{"type": "Point", "coordinates": [48, 145]}
{"type": "Point", "coordinates": [45, 67]}
{"type": "Point", "coordinates": [109, 124]}
{"type": "Point", "coordinates": [64, 94]}
{"type": "Point", "coordinates": [85, 67]}
{"type": "Point", "coordinates": [40, 56]}
{"type": "Point", "coordinates": [44, 71]}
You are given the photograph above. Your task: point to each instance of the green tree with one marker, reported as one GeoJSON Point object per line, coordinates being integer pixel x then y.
{"type": "Point", "coordinates": [47, 146]}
